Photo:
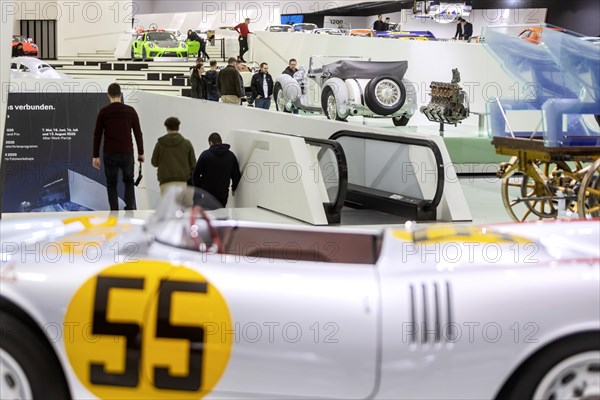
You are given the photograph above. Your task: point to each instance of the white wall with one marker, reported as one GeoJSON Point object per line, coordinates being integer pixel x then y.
{"type": "Point", "coordinates": [240, 8]}
{"type": "Point", "coordinates": [82, 26]}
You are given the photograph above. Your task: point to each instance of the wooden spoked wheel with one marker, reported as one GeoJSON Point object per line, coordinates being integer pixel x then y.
{"type": "Point", "coordinates": [588, 198]}
{"type": "Point", "coordinates": [517, 189]}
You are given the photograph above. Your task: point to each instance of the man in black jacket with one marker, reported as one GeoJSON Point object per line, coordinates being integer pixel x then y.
{"type": "Point", "coordinates": [459, 29]}
{"type": "Point", "coordinates": [215, 168]}
{"type": "Point", "coordinates": [114, 123]}
{"type": "Point", "coordinates": [291, 68]}
{"type": "Point", "coordinates": [262, 87]}
{"type": "Point", "coordinates": [379, 25]}
{"type": "Point", "coordinates": [467, 29]}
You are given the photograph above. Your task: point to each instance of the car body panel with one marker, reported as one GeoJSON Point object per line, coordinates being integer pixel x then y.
{"type": "Point", "coordinates": [155, 44]}
{"type": "Point", "coordinates": [534, 34]}
{"type": "Point", "coordinates": [29, 67]}
{"type": "Point", "coordinates": [440, 11]}
{"type": "Point", "coordinates": [407, 35]}
{"type": "Point", "coordinates": [292, 326]}
{"type": "Point", "coordinates": [362, 32]}
{"type": "Point", "coordinates": [304, 27]}
{"type": "Point", "coordinates": [30, 48]}
{"type": "Point", "coordinates": [279, 28]}
{"type": "Point", "coordinates": [306, 88]}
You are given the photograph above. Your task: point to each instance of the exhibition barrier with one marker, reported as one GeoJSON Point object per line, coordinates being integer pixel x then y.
{"type": "Point", "coordinates": [276, 177]}
{"type": "Point", "coordinates": [200, 118]}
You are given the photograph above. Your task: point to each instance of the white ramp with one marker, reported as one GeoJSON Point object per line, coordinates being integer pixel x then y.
{"type": "Point", "coordinates": [280, 173]}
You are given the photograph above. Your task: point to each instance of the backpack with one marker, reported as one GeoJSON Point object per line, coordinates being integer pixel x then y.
{"type": "Point", "coordinates": [211, 81]}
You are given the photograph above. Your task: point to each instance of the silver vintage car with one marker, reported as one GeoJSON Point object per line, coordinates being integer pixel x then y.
{"type": "Point", "coordinates": [349, 87]}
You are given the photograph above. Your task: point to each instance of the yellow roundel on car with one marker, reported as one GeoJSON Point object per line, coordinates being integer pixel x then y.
{"type": "Point", "coordinates": [149, 330]}
{"type": "Point", "coordinates": [450, 233]}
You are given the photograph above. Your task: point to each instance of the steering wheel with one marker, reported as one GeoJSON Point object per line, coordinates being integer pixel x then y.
{"type": "Point", "coordinates": [196, 236]}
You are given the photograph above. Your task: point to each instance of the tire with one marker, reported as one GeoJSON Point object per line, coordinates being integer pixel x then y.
{"type": "Point", "coordinates": [402, 121]}
{"type": "Point", "coordinates": [30, 367]}
{"type": "Point", "coordinates": [132, 55]}
{"type": "Point", "coordinates": [329, 105]}
{"type": "Point", "coordinates": [554, 368]}
{"type": "Point", "coordinates": [278, 95]}
{"type": "Point", "coordinates": [385, 95]}
{"type": "Point", "coordinates": [144, 58]}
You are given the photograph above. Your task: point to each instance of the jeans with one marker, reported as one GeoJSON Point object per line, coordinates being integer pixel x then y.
{"type": "Point", "coordinates": [113, 162]}
{"type": "Point", "coordinates": [213, 97]}
{"type": "Point", "coordinates": [262, 103]}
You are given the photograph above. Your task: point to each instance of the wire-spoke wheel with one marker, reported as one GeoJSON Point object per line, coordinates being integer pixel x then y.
{"type": "Point", "coordinates": [387, 92]}
{"type": "Point", "coordinates": [588, 198]}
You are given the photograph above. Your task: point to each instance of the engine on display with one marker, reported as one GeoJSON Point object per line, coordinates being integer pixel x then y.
{"type": "Point", "coordinates": [449, 103]}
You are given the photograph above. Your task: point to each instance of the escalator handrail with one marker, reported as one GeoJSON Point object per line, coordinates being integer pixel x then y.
{"type": "Point", "coordinates": [342, 165]}
{"type": "Point", "coordinates": [340, 156]}
{"type": "Point", "coordinates": [437, 198]}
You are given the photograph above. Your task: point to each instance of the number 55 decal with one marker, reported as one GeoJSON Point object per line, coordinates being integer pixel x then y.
{"type": "Point", "coordinates": [138, 331]}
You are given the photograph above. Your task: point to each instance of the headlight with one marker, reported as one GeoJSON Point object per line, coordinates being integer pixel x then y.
{"type": "Point", "coordinates": [34, 45]}
{"type": "Point", "coordinates": [183, 45]}
{"type": "Point", "coordinates": [151, 45]}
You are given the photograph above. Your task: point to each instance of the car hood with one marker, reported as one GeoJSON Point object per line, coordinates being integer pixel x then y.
{"type": "Point", "coordinates": [166, 43]}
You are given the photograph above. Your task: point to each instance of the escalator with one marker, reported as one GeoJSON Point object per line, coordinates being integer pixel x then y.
{"type": "Point", "coordinates": [365, 178]}
{"type": "Point", "coordinates": [396, 175]}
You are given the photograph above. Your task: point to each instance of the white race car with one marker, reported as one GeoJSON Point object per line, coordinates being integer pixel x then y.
{"type": "Point", "coordinates": [29, 67]}
{"type": "Point", "coordinates": [186, 306]}
{"type": "Point", "coordinates": [349, 86]}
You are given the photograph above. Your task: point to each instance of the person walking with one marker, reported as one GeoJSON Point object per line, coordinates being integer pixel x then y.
{"type": "Point", "coordinates": [174, 157]}
{"type": "Point", "coordinates": [228, 83]}
{"type": "Point", "coordinates": [199, 89]}
{"type": "Point", "coordinates": [243, 30]}
{"type": "Point", "coordinates": [115, 123]}
{"type": "Point", "coordinates": [210, 77]}
{"type": "Point", "coordinates": [262, 87]}
{"type": "Point", "coordinates": [216, 168]}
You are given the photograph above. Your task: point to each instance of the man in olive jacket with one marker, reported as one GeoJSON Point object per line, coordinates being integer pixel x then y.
{"type": "Point", "coordinates": [174, 157]}
{"type": "Point", "coordinates": [228, 83]}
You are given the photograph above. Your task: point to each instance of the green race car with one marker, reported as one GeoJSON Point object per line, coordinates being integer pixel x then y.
{"type": "Point", "coordinates": [149, 45]}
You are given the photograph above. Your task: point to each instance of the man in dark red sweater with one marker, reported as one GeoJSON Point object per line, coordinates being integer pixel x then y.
{"type": "Point", "coordinates": [243, 30]}
{"type": "Point", "coordinates": [115, 122]}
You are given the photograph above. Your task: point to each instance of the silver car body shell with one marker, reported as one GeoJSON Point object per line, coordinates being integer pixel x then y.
{"type": "Point", "coordinates": [304, 90]}
{"type": "Point", "coordinates": [501, 307]}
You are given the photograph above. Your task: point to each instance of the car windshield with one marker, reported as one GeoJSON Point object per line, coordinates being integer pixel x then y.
{"type": "Point", "coordinates": [160, 36]}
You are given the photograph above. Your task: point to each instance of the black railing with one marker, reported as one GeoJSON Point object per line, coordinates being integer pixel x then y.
{"type": "Point", "coordinates": [398, 204]}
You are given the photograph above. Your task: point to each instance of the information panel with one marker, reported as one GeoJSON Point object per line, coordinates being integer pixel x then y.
{"type": "Point", "coordinates": [47, 153]}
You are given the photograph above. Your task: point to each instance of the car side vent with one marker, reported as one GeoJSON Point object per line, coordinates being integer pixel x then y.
{"type": "Point", "coordinates": [431, 315]}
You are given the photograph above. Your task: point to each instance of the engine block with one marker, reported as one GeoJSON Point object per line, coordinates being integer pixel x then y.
{"type": "Point", "coordinates": [449, 103]}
